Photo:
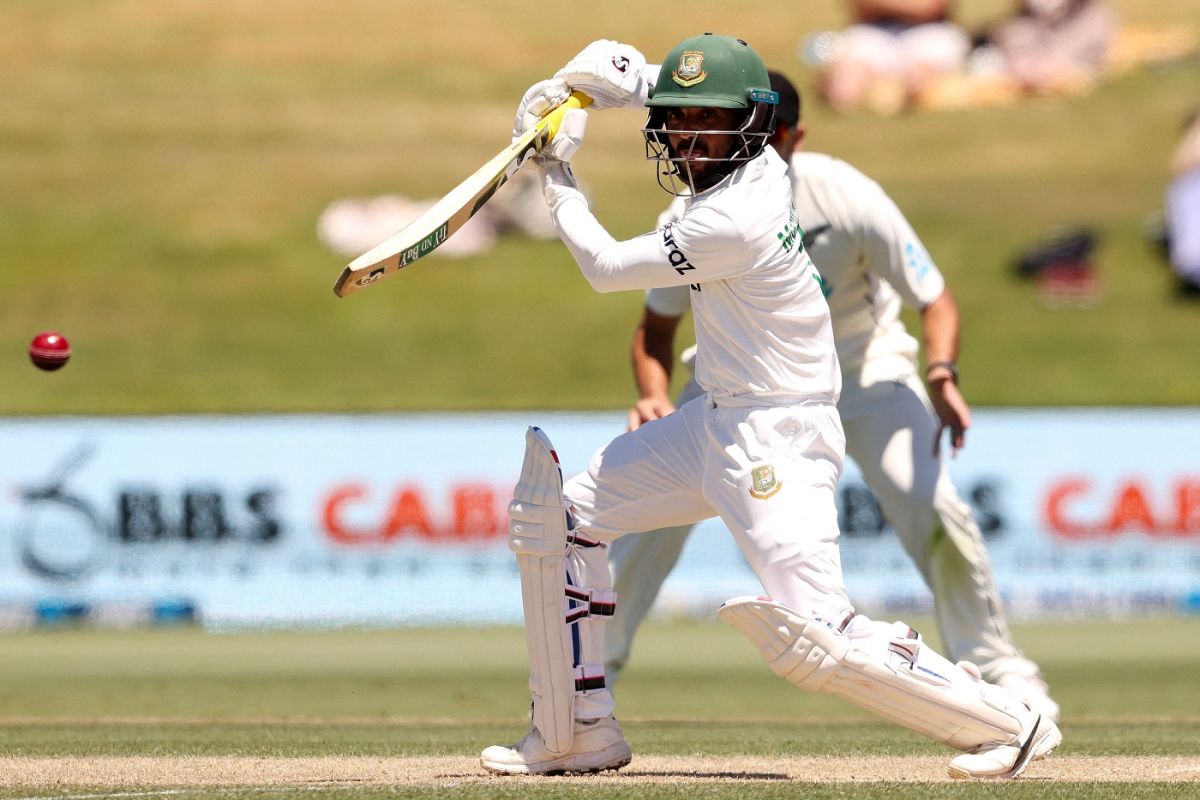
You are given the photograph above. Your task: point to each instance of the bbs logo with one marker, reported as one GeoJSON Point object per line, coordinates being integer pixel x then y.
{"type": "Point", "coordinates": [62, 535]}
{"type": "Point", "coordinates": [621, 63]}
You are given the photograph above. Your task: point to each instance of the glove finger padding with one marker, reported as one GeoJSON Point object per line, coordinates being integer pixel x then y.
{"type": "Point", "coordinates": [569, 138]}
{"type": "Point", "coordinates": [539, 100]}
{"type": "Point", "coordinates": [609, 72]}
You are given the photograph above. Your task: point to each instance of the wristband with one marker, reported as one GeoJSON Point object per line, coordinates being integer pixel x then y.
{"type": "Point", "coordinates": [949, 366]}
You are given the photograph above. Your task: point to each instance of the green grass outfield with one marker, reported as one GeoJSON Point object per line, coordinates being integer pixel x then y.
{"type": "Point", "coordinates": [163, 165]}
{"type": "Point", "coordinates": [695, 697]}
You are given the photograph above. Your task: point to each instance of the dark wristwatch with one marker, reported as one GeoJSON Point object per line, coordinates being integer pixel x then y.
{"type": "Point", "coordinates": [949, 366]}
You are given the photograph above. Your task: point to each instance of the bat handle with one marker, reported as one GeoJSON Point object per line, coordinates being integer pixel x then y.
{"type": "Point", "coordinates": [551, 121]}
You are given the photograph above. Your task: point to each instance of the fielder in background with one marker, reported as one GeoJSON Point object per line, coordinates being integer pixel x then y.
{"type": "Point", "coordinates": [762, 447]}
{"type": "Point", "coordinates": [871, 264]}
{"type": "Point", "coordinates": [1183, 209]}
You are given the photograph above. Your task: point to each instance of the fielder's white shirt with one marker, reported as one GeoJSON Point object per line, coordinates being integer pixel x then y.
{"type": "Point", "coordinates": [762, 323]}
{"type": "Point", "coordinates": [869, 257]}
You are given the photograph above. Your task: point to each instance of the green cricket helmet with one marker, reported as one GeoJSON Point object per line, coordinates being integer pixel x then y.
{"type": "Point", "coordinates": [708, 71]}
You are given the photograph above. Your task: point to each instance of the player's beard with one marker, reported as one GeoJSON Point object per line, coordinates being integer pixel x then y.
{"type": "Point", "coordinates": [697, 166]}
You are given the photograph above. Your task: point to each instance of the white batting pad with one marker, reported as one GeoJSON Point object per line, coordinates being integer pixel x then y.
{"type": "Point", "coordinates": [884, 668]}
{"type": "Point", "coordinates": [538, 535]}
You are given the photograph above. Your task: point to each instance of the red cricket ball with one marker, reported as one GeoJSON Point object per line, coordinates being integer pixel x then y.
{"type": "Point", "coordinates": [49, 350]}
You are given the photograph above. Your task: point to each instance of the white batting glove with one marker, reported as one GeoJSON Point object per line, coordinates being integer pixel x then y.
{"type": "Point", "coordinates": [569, 137]}
{"type": "Point", "coordinates": [539, 100]}
{"type": "Point", "coordinates": [610, 73]}
{"type": "Point", "coordinates": [558, 183]}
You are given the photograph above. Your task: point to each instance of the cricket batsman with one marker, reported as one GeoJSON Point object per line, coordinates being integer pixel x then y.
{"type": "Point", "coordinates": [762, 447]}
{"type": "Point", "coordinates": [872, 264]}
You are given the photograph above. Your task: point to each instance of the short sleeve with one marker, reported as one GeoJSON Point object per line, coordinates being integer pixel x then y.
{"type": "Point", "coordinates": [894, 252]}
{"type": "Point", "coordinates": [670, 301]}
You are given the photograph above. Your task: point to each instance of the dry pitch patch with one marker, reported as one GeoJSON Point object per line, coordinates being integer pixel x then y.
{"type": "Point", "coordinates": [125, 773]}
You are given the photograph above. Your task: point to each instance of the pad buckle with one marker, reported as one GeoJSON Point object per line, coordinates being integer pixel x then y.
{"type": "Point", "coordinates": [591, 603]}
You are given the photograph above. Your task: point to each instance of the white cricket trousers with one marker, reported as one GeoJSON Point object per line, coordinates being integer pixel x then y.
{"type": "Point", "coordinates": [769, 472]}
{"type": "Point", "coordinates": [890, 427]}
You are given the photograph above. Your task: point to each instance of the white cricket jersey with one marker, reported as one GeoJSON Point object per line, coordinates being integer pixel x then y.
{"type": "Point", "coordinates": [762, 323]}
{"type": "Point", "coordinates": [869, 257]}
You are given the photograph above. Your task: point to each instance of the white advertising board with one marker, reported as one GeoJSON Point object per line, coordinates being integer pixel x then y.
{"type": "Point", "coordinates": [400, 519]}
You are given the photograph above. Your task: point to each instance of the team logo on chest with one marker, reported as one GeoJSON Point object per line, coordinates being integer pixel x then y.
{"type": "Point", "coordinates": [763, 483]}
{"type": "Point", "coordinates": [691, 68]}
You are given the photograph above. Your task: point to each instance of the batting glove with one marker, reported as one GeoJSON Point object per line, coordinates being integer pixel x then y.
{"type": "Point", "coordinates": [610, 73]}
{"type": "Point", "coordinates": [569, 137]}
{"type": "Point", "coordinates": [539, 100]}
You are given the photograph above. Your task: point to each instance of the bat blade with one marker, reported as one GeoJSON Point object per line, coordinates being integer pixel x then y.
{"type": "Point", "coordinates": [424, 234]}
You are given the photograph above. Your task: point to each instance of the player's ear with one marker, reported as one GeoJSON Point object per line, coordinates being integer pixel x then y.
{"type": "Point", "coordinates": [787, 140]}
{"type": "Point", "coordinates": [801, 131]}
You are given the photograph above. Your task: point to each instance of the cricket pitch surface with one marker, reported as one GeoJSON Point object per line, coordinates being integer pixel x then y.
{"type": "Point", "coordinates": [132, 772]}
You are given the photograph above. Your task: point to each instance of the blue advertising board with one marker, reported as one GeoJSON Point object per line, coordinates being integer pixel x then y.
{"type": "Point", "coordinates": [332, 520]}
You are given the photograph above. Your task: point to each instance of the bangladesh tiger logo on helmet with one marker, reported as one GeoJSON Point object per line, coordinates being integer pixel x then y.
{"type": "Point", "coordinates": [709, 71]}
{"type": "Point", "coordinates": [691, 68]}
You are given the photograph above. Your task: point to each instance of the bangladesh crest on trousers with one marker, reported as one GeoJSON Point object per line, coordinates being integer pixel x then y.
{"type": "Point", "coordinates": [763, 483]}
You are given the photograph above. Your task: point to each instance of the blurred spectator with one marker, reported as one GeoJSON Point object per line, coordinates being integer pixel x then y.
{"type": "Point", "coordinates": [1056, 47]}
{"type": "Point", "coordinates": [350, 226]}
{"type": "Point", "coordinates": [1183, 209]}
{"type": "Point", "coordinates": [891, 53]}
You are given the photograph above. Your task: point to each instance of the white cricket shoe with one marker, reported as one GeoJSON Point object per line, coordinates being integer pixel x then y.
{"type": "Point", "coordinates": [1038, 737]}
{"type": "Point", "coordinates": [1032, 691]}
{"type": "Point", "coordinates": [596, 745]}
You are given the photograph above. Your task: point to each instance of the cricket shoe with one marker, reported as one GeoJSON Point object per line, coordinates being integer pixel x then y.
{"type": "Point", "coordinates": [596, 745]}
{"type": "Point", "coordinates": [1039, 736]}
{"type": "Point", "coordinates": [1032, 691]}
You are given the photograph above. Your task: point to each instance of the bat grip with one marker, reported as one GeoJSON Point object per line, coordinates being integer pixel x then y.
{"type": "Point", "coordinates": [551, 121]}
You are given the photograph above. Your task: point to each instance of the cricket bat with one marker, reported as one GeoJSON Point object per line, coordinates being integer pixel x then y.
{"type": "Point", "coordinates": [422, 236]}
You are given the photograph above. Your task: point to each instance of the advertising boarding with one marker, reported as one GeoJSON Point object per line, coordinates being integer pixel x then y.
{"type": "Point", "coordinates": [385, 520]}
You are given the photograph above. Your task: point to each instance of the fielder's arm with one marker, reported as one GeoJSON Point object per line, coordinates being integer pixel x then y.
{"type": "Point", "coordinates": [940, 330]}
{"type": "Point", "coordinates": [653, 357]}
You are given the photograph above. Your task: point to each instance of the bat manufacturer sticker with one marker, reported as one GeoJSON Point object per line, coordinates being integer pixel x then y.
{"type": "Point", "coordinates": [691, 68]}
{"type": "Point", "coordinates": [370, 277]}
